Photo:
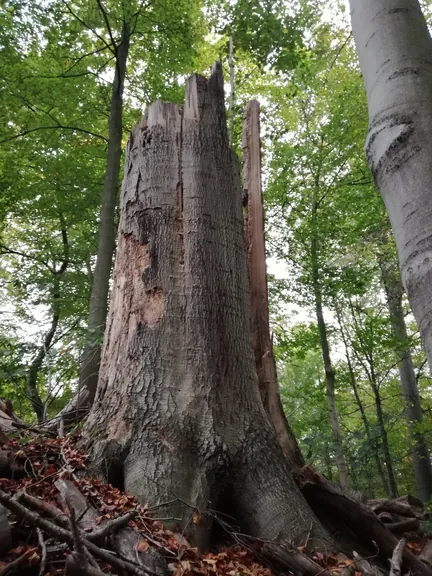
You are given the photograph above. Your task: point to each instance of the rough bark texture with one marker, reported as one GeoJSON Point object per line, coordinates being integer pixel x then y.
{"type": "Point", "coordinates": [255, 246]}
{"type": "Point", "coordinates": [419, 450]}
{"type": "Point", "coordinates": [178, 415]}
{"type": "Point", "coordinates": [328, 367]}
{"type": "Point", "coordinates": [90, 359]}
{"type": "Point", "coordinates": [394, 48]}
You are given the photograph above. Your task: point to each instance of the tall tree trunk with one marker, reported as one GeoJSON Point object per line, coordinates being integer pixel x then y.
{"type": "Point", "coordinates": [419, 450]}
{"type": "Point", "coordinates": [90, 358]}
{"type": "Point", "coordinates": [255, 247]}
{"type": "Point", "coordinates": [190, 430]}
{"type": "Point", "coordinates": [394, 49]}
{"type": "Point", "coordinates": [371, 441]}
{"type": "Point", "coordinates": [325, 349]}
{"type": "Point", "coordinates": [37, 362]}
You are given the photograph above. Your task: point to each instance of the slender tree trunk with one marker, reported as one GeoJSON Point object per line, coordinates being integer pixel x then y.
{"type": "Point", "coordinates": [255, 247]}
{"type": "Point", "coordinates": [394, 49]}
{"type": "Point", "coordinates": [371, 441]}
{"type": "Point", "coordinates": [90, 358]}
{"type": "Point", "coordinates": [325, 349]}
{"type": "Point", "coordinates": [419, 450]}
{"type": "Point", "coordinates": [369, 367]}
{"type": "Point", "coordinates": [190, 426]}
{"type": "Point", "coordinates": [37, 362]}
{"type": "Point", "coordinates": [383, 433]}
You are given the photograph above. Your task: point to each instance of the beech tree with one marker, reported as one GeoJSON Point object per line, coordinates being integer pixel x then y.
{"type": "Point", "coordinates": [393, 46]}
{"type": "Point", "coordinates": [191, 426]}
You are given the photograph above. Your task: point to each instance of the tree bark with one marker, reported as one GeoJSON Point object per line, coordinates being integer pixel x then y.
{"type": "Point", "coordinates": [260, 323]}
{"type": "Point", "coordinates": [325, 349]}
{"type": "Point", "coordinates": [190, 430]}
{"type": "Point", "coordinates": [90, 358]}
{"type": "Point", "coordinates": [394, 49]}
{"type": "Point", "coordinates": [419, 450]}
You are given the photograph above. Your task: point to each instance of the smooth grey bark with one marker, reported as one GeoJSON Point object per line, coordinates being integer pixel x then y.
{"type": "Point", "coordinates": [178, 416]}
{"type": "Point", "coordinates": [37, 362]}
{"type": "Point", "coordinates": [90, 357]}
{"type": "Point", "coordinates": [394, 49]}
{"type": "Point", "coordinates": [325, 350]}
{"type": "Point", "coordinates": [371, 440]}
{"type": "Point", "coordinates": [419, 450]}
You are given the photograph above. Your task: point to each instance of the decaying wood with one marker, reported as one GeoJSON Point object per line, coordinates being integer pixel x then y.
{"type": "Point", "coordinates": [5, 532]}
{"type": "Point", "coordinates": [408, 525]}
{"type": "Point", "coordinates": [395, 507]}
{"type": "Point", "coordinates": [365, 566]}
{"type": "Point", "coordinates": [426, 553]}
{"type": "Point", "coordinates": [396, 561]}
{"type": "Point", "coordinates": [288, 557]}
{"type": "Point", "coordinates": [328, 500]}
{"type": "Point", "coordinates": [123, 539]}
{"type": "Point", "coordinates": [66, 536]}
{"type": "Point", "coordinates": [255, 246]}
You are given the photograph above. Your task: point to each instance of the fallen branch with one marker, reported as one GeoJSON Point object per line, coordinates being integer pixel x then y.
{"type": "Point", "coordinates": [396, 561]}
{"type": "Point", "coordinates": [328, 500]}
{"type": "Point", "coordinates": [289, 557]}
{"type": "Point", "coordinates": [408, 525]}
{"type": "Point", "coordinates": [112, 526]}
{"type": "Point", "coordinates": [10, 568]}
{"type": "Point", "coordinates": [43, 551]}
{"type": "Point", "coordinates": [394, 507]}
{"type": "Point", "coordinates": [66, 536]}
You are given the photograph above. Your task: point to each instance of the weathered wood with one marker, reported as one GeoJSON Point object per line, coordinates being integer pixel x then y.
{"type": "Point", "coordinates": [124, 539]}
{"type": "Point", "coordinates": [329, 500]}
{"type": "Point", "coordinates": [396, 561]}
{"type": "Point", "coordinates": [395, 507]}
{"type": "Point", "coordinates": [255, 246]}
{"type": "Point", "coordinates": [191, 425]}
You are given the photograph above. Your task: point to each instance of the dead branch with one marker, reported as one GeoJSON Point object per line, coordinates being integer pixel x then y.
{"type": "Point", "coordinates": [66, 536]}
{"type": "Point", "coordinates": [112, 526]}
{"type": "Point", "coordinates": [394, 507]}
{"type": "Point", "coordinates": [10, 568]}
{"type": "Point", "coordinates": [289, 557]}
{"type": "Point", "coordinates": [57, 515]}
{"type": "Point", "coordinates": [396, 561]}
{"type": "Point", "coordinates": [408, 525]}
{"type": "Point", "coordinates": [43, 551]}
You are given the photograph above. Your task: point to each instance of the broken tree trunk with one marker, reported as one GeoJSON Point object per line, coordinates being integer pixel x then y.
{"type": "Point", "coordinates": [255, 246]}
{"type": "Point", "coordinates": [178, 417]}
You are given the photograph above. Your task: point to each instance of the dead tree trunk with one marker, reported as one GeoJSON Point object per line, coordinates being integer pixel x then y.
{"type": "Point", "coordinates": [178, 415]}
{"type": "Point", "coordinates": [255, 246]}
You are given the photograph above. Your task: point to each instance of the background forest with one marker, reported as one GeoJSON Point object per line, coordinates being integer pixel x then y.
{"type": "Point", "coordinates": [75, 76]}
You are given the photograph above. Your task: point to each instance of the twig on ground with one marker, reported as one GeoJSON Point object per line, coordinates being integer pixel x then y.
{"type": "Point", "coordinates": [10, 568]}
{"type": "Point", "coordinates": [43, 551]}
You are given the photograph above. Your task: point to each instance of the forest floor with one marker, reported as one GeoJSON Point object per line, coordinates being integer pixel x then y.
{"type": "Point", "coordinates": [55, 520]}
